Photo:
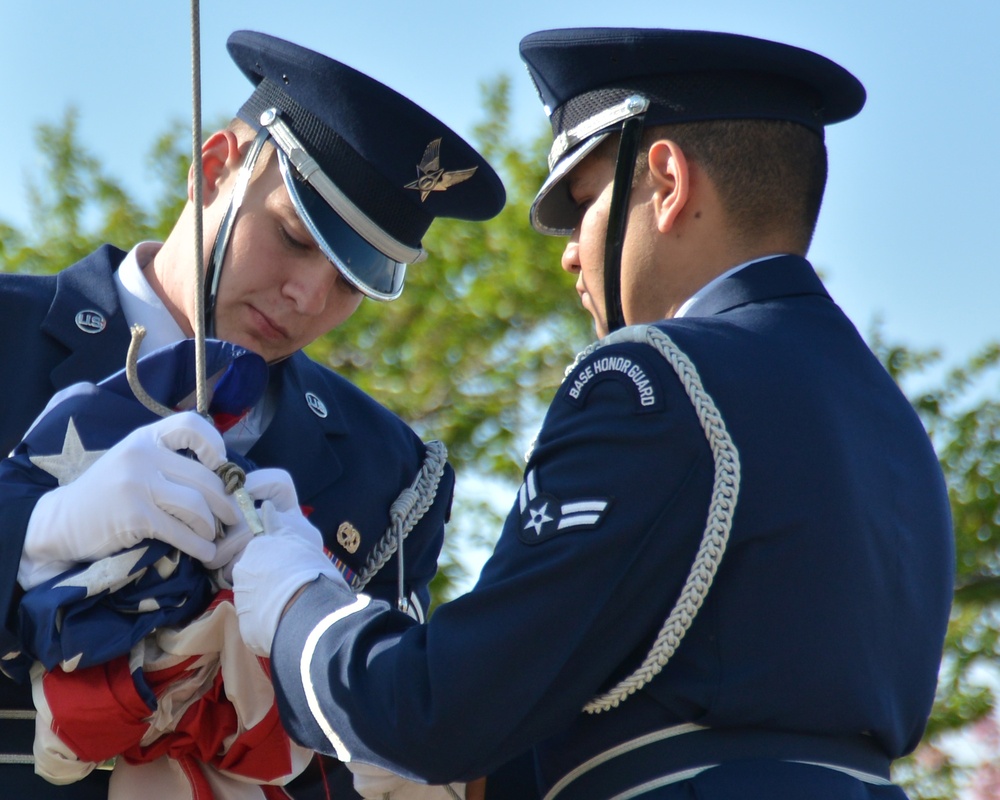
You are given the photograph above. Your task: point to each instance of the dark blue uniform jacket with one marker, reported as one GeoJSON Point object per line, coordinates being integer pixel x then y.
{"type": "Point", "coordinates": [823, 625]}
{"type": "Point", "coordinates": [347, 467]}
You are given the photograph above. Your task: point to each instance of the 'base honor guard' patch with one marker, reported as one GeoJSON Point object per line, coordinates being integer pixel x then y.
{"type": "Point", "coordinates": [625, 367]}
{"type": "Point", "coordinates": [543, 516]}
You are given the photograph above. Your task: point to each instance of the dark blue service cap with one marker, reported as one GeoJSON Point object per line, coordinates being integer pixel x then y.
{"type": "Point", "coordinates": [367, 169]}
{"type": "Point", "coordinates": [591, 80]}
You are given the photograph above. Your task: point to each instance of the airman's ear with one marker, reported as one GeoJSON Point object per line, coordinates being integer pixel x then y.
{"type": "Point", "coordinates": [219, 154]}
{"type": "Point", "coordinates": [670, 172]}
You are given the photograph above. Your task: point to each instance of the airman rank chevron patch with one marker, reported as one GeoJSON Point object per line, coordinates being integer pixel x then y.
{"type": "Point", "coordinates": [543, 516]}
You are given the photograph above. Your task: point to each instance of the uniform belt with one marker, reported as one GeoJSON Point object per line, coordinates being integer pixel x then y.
{"type": "Point", "coordinates": [681, 752]}
{"type": "Point", "coordinates": [17, 735]}
{"type": "Point", "coordinates": [17, 738]}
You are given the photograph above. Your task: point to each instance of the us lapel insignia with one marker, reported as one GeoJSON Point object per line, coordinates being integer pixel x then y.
{"type": "Point", "coordinates": [430, 175]}
{"type": "Point", "coordinates": [317, 406]}
{"type": "Point", "coordinates": [90, 321]}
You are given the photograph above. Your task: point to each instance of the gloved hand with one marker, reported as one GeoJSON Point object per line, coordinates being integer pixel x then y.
{"type": "Point", "coordinates": [262, 484]}
{"type": "Point", "coordinates": [274, 566]}
{"type": "Point", "coordinates": [142, 488]}
{"type": "Point", "coordinates": [378, 784]}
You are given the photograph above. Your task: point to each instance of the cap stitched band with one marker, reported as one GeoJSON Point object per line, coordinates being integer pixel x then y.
{"type": "Point", "coordinates": [311, 172]}
{"type": "Point", "coordinates": [629, 107]}
{"type": "Point", "coordinates": [372, 193]}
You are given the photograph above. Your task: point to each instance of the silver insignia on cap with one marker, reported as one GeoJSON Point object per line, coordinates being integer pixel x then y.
{"type": "Point", "coordinates": [431, 177]}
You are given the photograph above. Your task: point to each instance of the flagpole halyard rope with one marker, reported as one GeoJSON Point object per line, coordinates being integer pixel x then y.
{"type": "Point", "coordinates": [198, 323]}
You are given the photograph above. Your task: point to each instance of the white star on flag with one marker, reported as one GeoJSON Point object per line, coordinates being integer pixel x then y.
{"type": "Point", "coordinates": [107, 574]}
{"type": "Point", "coordinates": [72, 462]}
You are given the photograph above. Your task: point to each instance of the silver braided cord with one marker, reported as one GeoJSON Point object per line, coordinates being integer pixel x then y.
{"type": "Point", "coordinates": [406, 511]}
{"type": "Point", "coordinates": [721, 509]}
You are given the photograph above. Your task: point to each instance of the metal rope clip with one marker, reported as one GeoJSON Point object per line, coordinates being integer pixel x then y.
{"type": "Point", "coordinates": [234, 479]}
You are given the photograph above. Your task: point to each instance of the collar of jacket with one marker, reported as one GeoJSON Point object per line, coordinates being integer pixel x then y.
{"type": "Point", "coordinates": [88, 286]}
{"type": "Point", "coordinates": [295, 428]}
{"type": "Point", "coordinates": [784, 276]}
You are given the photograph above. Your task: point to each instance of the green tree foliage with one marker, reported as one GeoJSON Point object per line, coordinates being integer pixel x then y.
{"type": "Point", "coordinates": [485, 328]}
{"type": "Point", "coordinates": [473, 351]}
{"type": "Point", "coordinates": [75, 205]}
{"type": "Point", "coordinates": [963, 418]}
{"type": "Point", "coordinates": [72, 191]}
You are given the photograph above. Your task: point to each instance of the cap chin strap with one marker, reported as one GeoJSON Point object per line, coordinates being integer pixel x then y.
{"type": "Point", "coordinates": [218, 254]}
{"type": "Point", "coordinates": [628, 149]}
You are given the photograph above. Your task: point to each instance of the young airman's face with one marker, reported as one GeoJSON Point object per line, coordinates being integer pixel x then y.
{"type": "Point", "coordinates": [278, 291]}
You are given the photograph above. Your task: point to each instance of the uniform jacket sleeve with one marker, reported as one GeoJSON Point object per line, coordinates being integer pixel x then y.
{"type": "Point", "coordinates": [826, 615]}
{"type": "Point", "coordinates": [48, 346]}
{"type": "Point", "coordinates": [555, 605]}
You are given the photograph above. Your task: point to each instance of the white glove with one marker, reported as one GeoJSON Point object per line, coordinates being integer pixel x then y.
{"type": "Point", "coordinates": [141, 488]}
{"type": "Point", "coordinates": [273, 567]}
{"type": "Point", "coordinates": [380, 784]}
{"type": "Point", "coordinates": [262, 484]}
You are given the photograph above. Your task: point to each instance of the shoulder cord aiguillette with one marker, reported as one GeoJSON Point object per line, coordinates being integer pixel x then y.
{"type": "Point", "coordinates": [721, 509]}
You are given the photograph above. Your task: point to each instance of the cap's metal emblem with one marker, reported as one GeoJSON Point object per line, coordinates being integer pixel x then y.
{"type": "Point", "coordinates": [317, 406]}
{"type": "Point", "coordinates": [348, 537]}
{"type": "Point", "coordinates": [90, 321]}
{"type": "Point", "coordinates": [431, 177]}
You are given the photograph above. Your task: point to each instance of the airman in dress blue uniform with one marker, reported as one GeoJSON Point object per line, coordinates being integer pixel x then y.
{"type": "Point", "coordinates": [317, 196]}
{"type": "Point", "coordinates": [728, 570]}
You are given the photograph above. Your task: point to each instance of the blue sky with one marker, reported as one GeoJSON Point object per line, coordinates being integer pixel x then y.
{"type": "Point", "coordinates": [908, 228]}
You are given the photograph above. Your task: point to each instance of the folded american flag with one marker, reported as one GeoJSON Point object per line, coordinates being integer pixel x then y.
{"type": "Point", "coordinates": [120, 661]}
{"type": "Point", "coordinates": [97, 612]}
{"type": "Point", "coordinates": [212, 730]}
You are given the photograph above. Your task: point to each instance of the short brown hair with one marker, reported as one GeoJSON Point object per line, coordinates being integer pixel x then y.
{"type": "Point", "coordinates": [245, 134]}
{"type": "Point", "coordinates": [770, 174]}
